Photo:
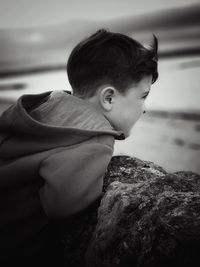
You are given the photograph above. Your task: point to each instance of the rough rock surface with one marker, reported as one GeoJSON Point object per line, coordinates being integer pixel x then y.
{"type": "Point", "coordinates": [146, 218]}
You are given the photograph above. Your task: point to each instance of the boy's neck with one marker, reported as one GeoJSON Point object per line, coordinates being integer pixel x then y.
{"type": "Point", "coordinates": [92, 101]}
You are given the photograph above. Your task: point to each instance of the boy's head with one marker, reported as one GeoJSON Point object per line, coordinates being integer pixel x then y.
{"type": "Point", "coordinates": [114, 72]}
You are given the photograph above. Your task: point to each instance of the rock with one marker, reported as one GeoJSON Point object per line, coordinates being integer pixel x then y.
{"type": "Point", "coordinates": [146, 217]}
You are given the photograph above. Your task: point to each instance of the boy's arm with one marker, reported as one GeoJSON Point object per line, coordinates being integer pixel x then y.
{"type": "Point", "coordinates": [73, 178]}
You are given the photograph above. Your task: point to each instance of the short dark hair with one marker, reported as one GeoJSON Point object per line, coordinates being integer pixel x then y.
{"type": "Point", "coordinates": [110, 58]}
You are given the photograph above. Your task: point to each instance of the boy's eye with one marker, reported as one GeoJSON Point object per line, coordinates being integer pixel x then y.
{"type": "Point", "coordinates": [145, 96]}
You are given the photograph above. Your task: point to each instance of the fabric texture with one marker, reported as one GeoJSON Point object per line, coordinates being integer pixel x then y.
{"type": "Point", "coordinates": [54, 152]}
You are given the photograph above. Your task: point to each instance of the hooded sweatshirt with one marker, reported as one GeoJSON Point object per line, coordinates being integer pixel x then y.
{"type": "Point", "coordinates": [54, 152]}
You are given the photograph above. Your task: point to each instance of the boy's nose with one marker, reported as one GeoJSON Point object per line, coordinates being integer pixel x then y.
{"type": "Point", "coordinates": [144, 111]}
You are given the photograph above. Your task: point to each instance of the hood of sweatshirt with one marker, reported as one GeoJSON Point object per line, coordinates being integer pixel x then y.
{"type": "Point", "coordinates": [49, 120]}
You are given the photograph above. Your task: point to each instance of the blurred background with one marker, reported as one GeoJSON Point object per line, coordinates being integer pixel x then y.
{"type": "Point", "coordinates": [36, 38]}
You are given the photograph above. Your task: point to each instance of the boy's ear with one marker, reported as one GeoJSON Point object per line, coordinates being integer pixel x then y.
{"type": "Point", "coordinates": [107, 95]}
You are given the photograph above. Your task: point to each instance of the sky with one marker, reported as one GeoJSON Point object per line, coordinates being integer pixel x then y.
{"type": "Point", "coordinates": [29, 13]}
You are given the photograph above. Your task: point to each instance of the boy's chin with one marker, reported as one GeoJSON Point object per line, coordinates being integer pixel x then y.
{"type": "Point", "coordinates": [127, 134]}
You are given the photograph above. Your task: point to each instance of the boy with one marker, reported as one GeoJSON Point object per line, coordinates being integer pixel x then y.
{"type": "Point", "coordinates": [55, 147]}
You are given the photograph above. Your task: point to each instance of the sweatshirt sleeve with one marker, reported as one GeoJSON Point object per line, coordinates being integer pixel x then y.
{"type": "Point", "coordinates": [73, 178]}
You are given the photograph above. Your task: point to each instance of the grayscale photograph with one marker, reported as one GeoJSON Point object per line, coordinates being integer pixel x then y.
{"type": "Point", "coordinates": [100, 133]}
